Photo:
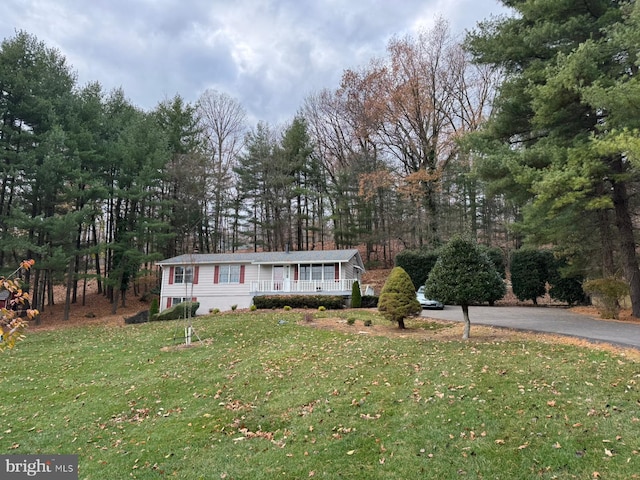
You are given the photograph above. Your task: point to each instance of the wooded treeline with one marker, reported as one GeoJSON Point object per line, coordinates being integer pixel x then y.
{"type": "Point", "coordinates": [518, 135]}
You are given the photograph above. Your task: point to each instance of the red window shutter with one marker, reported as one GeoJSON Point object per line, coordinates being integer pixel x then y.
{"type": "Point", "coordinates": [196, 271]}
{"type": "Point", "coordinates": [216, 274]}
{"type": "Point", "coordinates": [295, 272]}
{"type": "Point", "coordinates": [194, 299]}
{"type": "Point", "coordinates": [171, 274]}
{"type": "Point", "coordinates": [241, 273]}
{"type": "Point", "coordinates": [337, 271]}
{"type": "Point", "coordinates": [168, 302]}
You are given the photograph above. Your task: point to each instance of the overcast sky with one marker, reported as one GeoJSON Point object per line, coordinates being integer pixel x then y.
{"type": "Point", "coordinates": [267, 54]}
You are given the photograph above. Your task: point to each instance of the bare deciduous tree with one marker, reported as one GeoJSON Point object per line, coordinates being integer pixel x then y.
{"type": "Point", "coordinates": [222, 122]}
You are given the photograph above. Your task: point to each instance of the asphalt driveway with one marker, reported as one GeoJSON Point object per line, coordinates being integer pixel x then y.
{"type": "Point", "coordinates": [546, 319]}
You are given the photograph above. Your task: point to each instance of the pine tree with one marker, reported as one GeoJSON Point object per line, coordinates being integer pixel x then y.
{"type": "Point", "coordinates": [570, 75]}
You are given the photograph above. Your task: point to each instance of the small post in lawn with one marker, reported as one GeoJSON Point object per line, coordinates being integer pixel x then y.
{"type": "Point", "coordinates": [189, 331]}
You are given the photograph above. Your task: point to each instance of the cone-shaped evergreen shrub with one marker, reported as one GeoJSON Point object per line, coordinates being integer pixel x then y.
{"type": "Point", "coordinates": [356, 295]}
{"type": "Point", "coordinates": [398, 297]}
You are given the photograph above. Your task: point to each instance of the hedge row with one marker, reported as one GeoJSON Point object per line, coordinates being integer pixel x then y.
{"type": "Point", "coordinates": [332, 302]}
{"type": "Point", "coordinates": [417, 263]}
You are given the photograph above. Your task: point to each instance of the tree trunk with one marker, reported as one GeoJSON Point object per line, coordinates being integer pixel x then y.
{"type": "Point", "coordinates": [401, 324]}
{"type": "Point", "coordinates": [606, 242]}
{"type": "Point", "coordinates": [467, 322]}
{"type": "Point", "coordinates": [36, 296]}
{"type": "Point", "coordinates": [97, 256]}
{"type": "Point", "coordinates": [114, 301]}
{"type": "Point", "coordinates": [627, 242]}
{"type": "Point", "coordinates": [67, 298]}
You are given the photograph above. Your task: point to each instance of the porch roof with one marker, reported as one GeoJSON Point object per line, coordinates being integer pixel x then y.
{"type": "Point", "coordinates": [267, 258]}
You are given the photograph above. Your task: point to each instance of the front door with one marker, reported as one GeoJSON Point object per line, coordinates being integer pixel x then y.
{"type": "Point", "coordinates": [287, 278]}
{"type": "Point", "coordinates": [278, 278]}
{"type": "Point", "coordinates": [282, 278]}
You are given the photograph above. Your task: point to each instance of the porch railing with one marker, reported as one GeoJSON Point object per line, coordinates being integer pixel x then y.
{"type": "Point", "coordinates": [302, 286]}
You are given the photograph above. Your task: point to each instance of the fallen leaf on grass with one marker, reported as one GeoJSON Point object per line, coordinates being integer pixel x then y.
{"type": "Point", "coordinates": [369, 417]}
{"type": "Point", "coordinates": [351, 452]}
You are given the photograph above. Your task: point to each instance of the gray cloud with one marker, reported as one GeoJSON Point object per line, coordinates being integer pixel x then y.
{"type": "Point", "coordinates": [269, 54]}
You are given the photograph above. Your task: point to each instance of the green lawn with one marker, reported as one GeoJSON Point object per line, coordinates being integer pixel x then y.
{"type": "Point", "coordinates": [262, 399]}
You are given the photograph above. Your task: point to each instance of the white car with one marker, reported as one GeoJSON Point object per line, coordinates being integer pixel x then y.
{"type": "Point", "coordinates": [427, 303]}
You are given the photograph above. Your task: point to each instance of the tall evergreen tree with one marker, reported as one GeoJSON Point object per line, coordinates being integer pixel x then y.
{"type": "Point", "coordinates": [559, 57]}
{"type": "Point", "coordinates": [296, 150]}
{"type": "Point", "coordinates": [184, 193]}
{"type": "Point", "coordinates": [253, 170]}
{"type": "Point", "coordinates": [36, 86]}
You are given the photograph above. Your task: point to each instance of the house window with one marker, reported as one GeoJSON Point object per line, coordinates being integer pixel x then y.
{"type": "Point", "coordinates": [304, 272]}
{"type": "Point", "coordinates": [177, 300]}
{"type": "Point", "coordinates": [317, 272]}
{"type": "Point", "coordinates": [329, 272]}
{"type": "Point", "coordinates": [229, 274]}
{"type": "Point", "coordinates": [183, 275]}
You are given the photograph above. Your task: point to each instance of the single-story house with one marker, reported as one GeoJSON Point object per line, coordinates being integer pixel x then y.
{"type": "Point", "coordinates": [222, 280]}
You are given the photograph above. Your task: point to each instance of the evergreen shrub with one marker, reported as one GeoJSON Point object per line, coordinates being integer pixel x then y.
{"type": "Point", "coordinates": [530, 273]}
{"type": "Point", "coordinates": [417, 264]}
{"type": "Point", "coordinates": [496, 255]}
{"type": "Point", "coordinates": [609, 291]}
{"type": "Point", "coordinates": [154, 309]}
{"type": "Point", "coordinates": [369, 301]}
{"type": "Point", "coordinates": [356, 295]}
{"type": "Point", "coordinates": [181, 310]}
{"type": "Point", "coordinates": [398, 297]}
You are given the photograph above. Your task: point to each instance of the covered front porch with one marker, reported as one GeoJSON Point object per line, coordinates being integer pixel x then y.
{"type": "Point", "coordinates": [302, 287]}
